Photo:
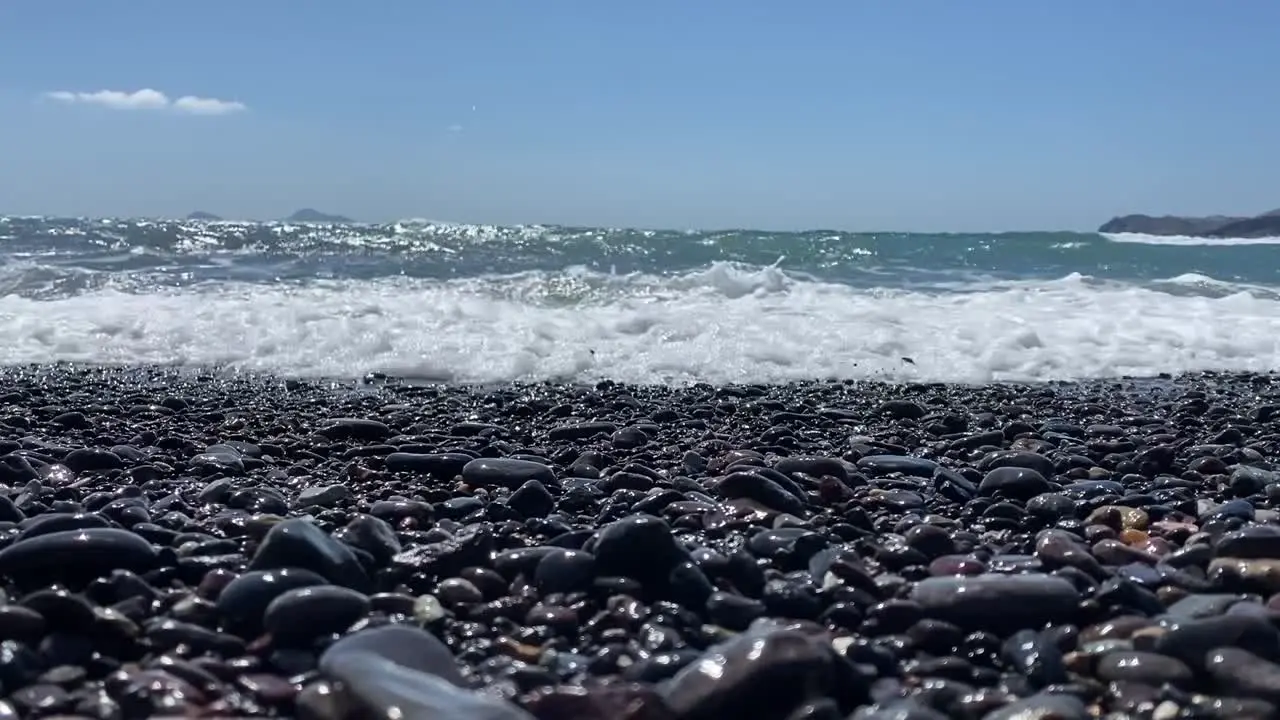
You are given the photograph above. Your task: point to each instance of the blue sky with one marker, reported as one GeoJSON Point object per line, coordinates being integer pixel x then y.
{"type": "Point", "coordinates": [862, 115]}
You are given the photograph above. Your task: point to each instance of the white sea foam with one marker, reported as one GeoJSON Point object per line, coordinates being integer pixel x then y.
{"type": "Point", "coordinates": [719, 325]}
{"type": "Point", "coordinates": [1187, 240]}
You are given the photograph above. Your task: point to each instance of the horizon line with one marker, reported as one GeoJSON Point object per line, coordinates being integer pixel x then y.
{"type": "Point", "coordinates": [417, 220]}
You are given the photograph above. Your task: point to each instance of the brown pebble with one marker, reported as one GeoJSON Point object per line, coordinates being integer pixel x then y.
{"type": "Point", "coordinates": [1145, 639]}
{"type": "Point", "coordinates": [1122, 627]}
{"type": "Point", "coordinates": [1133, 538]}
{"type": "Point", "coordinates": [269, 688]}
{"type": "Point", "coordinates": [518, 651]}
{"type": "Point", "coordinates": [1119, 517]}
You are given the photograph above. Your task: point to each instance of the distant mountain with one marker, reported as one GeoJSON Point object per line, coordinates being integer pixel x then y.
{"type": "Point", "coordinates": [307, 215]}
{"type": "Point", "coordinates": [201, 215]}
{"type": "Point", "coordinates": [1222, 226]}
{"type": "Point", "coordinates": [1264, 225]}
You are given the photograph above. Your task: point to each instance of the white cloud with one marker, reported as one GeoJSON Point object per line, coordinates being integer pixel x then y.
{"type": "Point", "coordinates": [207, 106]}
{"type": "Point", "coordinates": [147, 99]}
{"type": "Point", "coordinates": [455, 128]}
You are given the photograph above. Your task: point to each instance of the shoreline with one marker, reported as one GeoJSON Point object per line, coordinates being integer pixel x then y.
{"type": "Point", "coordinates": [382, 379]}
{"type": "Point", "coordinates": [249, 545]}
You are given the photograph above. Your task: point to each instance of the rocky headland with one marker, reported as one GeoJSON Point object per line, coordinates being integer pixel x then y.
{"type": "Point", "coordinates": [305, 215]}
{"type": "Point", "coordinates": [1215, 226]}
{"type": "Point", "coordinates": [308, 215]}
{"type": "Point", "coordinates": [200, 544]}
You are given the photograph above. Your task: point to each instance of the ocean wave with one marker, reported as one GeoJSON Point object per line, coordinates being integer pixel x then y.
{"type": "Point", "coordinates": [722, 324]}
{"type": "Point", "coordinates": [1187, 240]}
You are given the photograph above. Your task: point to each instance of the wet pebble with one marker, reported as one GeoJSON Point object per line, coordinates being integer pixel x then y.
{"type": "Point", "coordinates": [314, 611]}
{"type": "Point", "coordinates": [181, 542]}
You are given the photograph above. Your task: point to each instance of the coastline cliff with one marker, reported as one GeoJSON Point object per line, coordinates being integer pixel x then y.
{"type": "Point", "coordinates": [1221, 226]}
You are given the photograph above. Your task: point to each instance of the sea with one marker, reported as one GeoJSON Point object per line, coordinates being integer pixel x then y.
{"type": "Point", "coordinates": [446, 302]}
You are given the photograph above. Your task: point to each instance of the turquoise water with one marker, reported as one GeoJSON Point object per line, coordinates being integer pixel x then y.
{"type": "Point", "coordinates": [179, 252]}
{"type": "Point", "coordinates": [452, 302]}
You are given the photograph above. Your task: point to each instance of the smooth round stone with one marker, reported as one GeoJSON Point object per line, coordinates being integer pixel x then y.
{"type": "Point", "coordinates": [506, 472]}
{"type": "Point", "coordinates": [315, 611]}
{"type": "Point", "coordinates": [459, 592]}
{"type": "Point", "coordinates": [1244, 674]}
{"type": "Point", "coordinates": [522, 560]}
{"type": "Point", "coordinates": [240, 447]}
{"type": "Point", "coordinates": [639, 546]}
{"type": "Point", "coordinates": [392, 603]}
{"type": "Point", "coordinates": [1248, 480]}
{"type": "Point", "coordinates": [1119, 516]}
{"type": "Point", "coordinates": [1051, 506]}
{"type": "Point", "coordinates": [1260, 573]}
{"type": "Point", "coordinates": [1142, 667]}
{"type": "Point", "coordinates": [57, 475]}
{"type": "Point", "coordinates": [902, 409]}
{"type": "Point", "coordinates": [244, 600]}
{"type": "Point", "coordinates": [814, 466]}
{"type": "Point", "coordinates": [628, 438]}
{"type": "Point", "coordinates": [620, 701]}
{"type": "Point", "coordinates": [395, 510]}
{"type": "Point", "coordinates": [225, 462]}
{"type": "Point", "coordinates": [87, 552]}
{"type": "Point", "coordinates": [428, 609]}
{"type": "Point", "coordinates": [1114, 552]}
{"type": "Point", "coordinates": [21, 623]}
{"type": "Point", "coordinates": [755, 674]}
{"type": "Point", "coordinates": [40, 698]}
{"type": "Point", "coordinates": [67, 612]}
{"type": "Point", "coordinates": [442, 466]}
{"type": "Point", "coordinates": [1252, 542]}
{"type": "Point", "coordinates": [953, 486]}
{"type": "Point", "coordinates": [1058, 548]}
{"type": "Point", "coordinates": [59, 522]}
{"type": "Point", "coordinates": [800, 543]}
{"type": "Point", "coordinates": [757, 487]}
{"type": "Point", "coordinates": [931, 540]}
{"type": "Point", "coordinates": [565, 571]}
{"type": "Point", "coordinates": [320, 700]}
{"type": "Point", "coordinates": [903, 464]}
{"type": "Point", "coordinates": [355, 429]}
{"type": "Point", "coordinates": [1010, 602]}
{"type": "Point", "coordinates": [387, 689]}
{"type": "Point", "coordinates": [581, 431]}
{"type": "Point", "coordinates": [1043, 705]}
{"type": "Point", "coordinates": [299, 543]}
{"type": "Point", "coordinates": [1014, 482]}
{"type": "Point", "coordinates": [326, 496]}
{"type": "Point", "coordinates": [372, 535]}
{"type": "Point", "coordinates": [9, 513]}
{"type": "Point", "coordinates": [1036, 656]}
{"type": "Point", "coordinates": [733, 611]}
{"type": "Point", "coordinates": [1118, 628]}
{"type": "Point", "coordinates": [83, 460]}
{"type": "Point", "coordinates": [166, 634]}
{"type": "Point", "coordinates": [410, 647]}
{"type": "Point", "coordinates": [1201, 606]}
{"type": "Point", "coordinates": [956, 565]}
{"type": "Point", "coordinates": [532, 499]}
{"type": "Point", "coordinates": [216, 491]}
{"type": "Point", "coordinates": [460, 507]}
{"type": "Point", "coordinates": [1019, 459]}
{"type": "Point", "coordinates": [1093, 488]}
{"type": "Point", "coordinates": [17, 470]}
{"type": "Point", "coordinates": [1239, 509]}
{"type": "Point", "coordinates": [1191, 641]}
{"type": "Point", "coordinates": [900, 500]}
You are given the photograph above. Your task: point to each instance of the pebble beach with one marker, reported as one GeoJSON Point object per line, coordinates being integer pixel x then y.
{"type": "Point", "coordinates": [188, 543]}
